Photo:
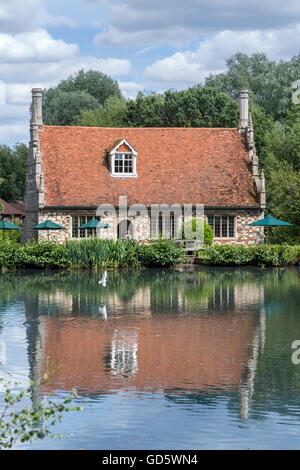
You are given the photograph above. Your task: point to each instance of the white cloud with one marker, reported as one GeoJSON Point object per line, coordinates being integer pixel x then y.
{"type": "Point", "coordinates": [130, 89]}
{"type": "Point", "coordinates": [191, 67]}
{"type": "Point", "coordinates": [38, 46]}
{"type": "Point", "coordinates": [150, 22]}
{"type": "Point", "coordinates": [36, 56]}
{"type": "Point", "coordinates": [36, 59]}
{"type": "Point", "coordinates": [20, 16]}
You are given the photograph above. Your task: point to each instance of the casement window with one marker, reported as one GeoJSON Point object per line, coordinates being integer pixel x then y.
{"type": "Point", "coordinates": [122, 160]}
{"type": "Point", "coordinates": [163, 226]}
{"type": "Point", "coordinates": [77, 221]}
{"type": "Point", "coordinates": [223, 226]}
{"type": "Point", "coordinates": [123, 163]}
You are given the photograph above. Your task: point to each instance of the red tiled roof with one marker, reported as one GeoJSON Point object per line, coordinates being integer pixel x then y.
{"type": "Point", "coordinates": [11, 208]}
{"type": "Point", "coordinates": [174, 165]}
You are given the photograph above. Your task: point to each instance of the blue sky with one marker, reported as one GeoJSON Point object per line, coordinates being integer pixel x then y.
{"type": "Point", "coordinates": [144, 44]}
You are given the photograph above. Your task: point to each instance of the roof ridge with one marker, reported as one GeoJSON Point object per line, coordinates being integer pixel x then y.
{"type": "Point", "coordinates": [136, 128]}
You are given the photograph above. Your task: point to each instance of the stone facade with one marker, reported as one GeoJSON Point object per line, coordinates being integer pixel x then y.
{"type": "Point", "coordinates": [244, 235]}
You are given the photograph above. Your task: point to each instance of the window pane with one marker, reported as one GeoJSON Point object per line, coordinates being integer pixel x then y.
{"type": "Point", "coordinates": [82, 231]}
{"type": "Point", "coordinates": [123, 163]}
{"type": "Point", "coordinates": [217, 226]}
{"type": "Point", "coordinates": [210, 220]}
{"type": "Point", "coordinates": [224, 226]}
{"type": "Point", "coordinates": [231, 226]}
{"type": "Point", "coordinates": [74, 227]}
{"type": "Point", "coordinates": [160, 225]}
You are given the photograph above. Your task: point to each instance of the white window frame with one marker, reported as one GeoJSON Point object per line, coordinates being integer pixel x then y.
{"type": "Point", "coordinates": [112, 155]}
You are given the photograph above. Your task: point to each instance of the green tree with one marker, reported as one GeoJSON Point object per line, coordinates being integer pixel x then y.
{"type": "Point", "coordinates": [83, 90]}
{"type": "Point", "coordinates": [195, 107]}
{"type": "Point", "coordinates": [283, 202]}
{"type": "Point", "coordinates": [111, 114]}
{"type": "Point", "coordinates": [269, 83]}
{"type": "Point", "coordinates": [64, 106]}
{"type": "Point", "coordinates": [34, 422]}
{"type": "Point", "coordinates": [13, 168]}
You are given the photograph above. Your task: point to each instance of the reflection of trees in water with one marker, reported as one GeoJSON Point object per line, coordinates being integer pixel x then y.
{"type": "Point", "coordinates": [165, 285]}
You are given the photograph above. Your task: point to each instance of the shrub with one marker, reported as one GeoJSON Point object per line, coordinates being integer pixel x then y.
{"type": "Point", "coordinates": [260, 255]}
{"type": "Point", "coordinates": [194, 226]}
{"type": "Point", "coordinates": [161, 253]}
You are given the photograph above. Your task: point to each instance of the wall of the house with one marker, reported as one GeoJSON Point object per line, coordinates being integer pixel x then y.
{"type": "Point", "coordinates": [244, 235]}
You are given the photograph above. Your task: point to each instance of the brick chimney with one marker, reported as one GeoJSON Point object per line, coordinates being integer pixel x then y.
{"type": "Point", "coordinates": [36, 107]}
{"type": "Point", "coordinates": [244, 111]}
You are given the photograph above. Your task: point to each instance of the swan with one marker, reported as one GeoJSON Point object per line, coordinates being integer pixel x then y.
{"type": "Point", "coordinates": [103, 280]}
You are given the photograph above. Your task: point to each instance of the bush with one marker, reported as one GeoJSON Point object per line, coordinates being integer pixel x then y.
{"type": "Point", "coordinates": [32, 255]}
{"type": "Point", "coordinates": [161, 253]}
{"type": "Point", "coordinates": [193, 226]}
{"type": "Point", "coordinates": [259, 255]}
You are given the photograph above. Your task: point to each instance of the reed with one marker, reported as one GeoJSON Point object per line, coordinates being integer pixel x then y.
{"type": "Point", "coordinates": [96, 253]}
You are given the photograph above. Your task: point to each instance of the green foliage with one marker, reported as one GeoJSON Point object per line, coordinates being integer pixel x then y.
{"type": "Point", "coordinates": [13, 167]}
{"type": "Point", "coordinates": [260, 255]}
{"type": "Point", "coordinates": [96, 253]}
{"type": "Point", "coordinates": [88, 254]}
{"type": "Point", "coordinates": [161, 253]}
{"type": "Point", "coordinates": [96, 84]}
{"type": "Point", "coordinates": [111, 114]}
{"type": "Point", "coordinates": [65, 106]}
{"type": "Point", "coordinates": [269, 83]}
{"type": "Point", "coordinates": [194, 107]}
{"type": "Point", "coordinates": [84, 90]}
{"type": "Point", "coordinates": [32, 255]}
{"type": "Point", "coordinates": [194, 227]}
{"type": "Point", "coordinates": [283, 188]}
{"type": "Point", "coordinates": [33, 422]}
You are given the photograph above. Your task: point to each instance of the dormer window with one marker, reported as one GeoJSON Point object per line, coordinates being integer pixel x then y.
{"type": "Point", "coordinates": [123, 163]}
{"type": "Point", "coordinates": [122, 160]}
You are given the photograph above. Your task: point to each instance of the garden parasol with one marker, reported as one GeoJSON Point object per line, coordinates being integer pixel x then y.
{"type": "Point", "coordinates": [269, 221]}
{"type": "Point", "coordinates": [94, 224]}
{"type": "Point", "coordinates": [48, 225]}
{"type": "Point", "coordinates": [8, 226]}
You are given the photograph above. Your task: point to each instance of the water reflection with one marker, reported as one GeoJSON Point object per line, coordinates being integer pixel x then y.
{"type": "Point", "coordinates": [193, 334]}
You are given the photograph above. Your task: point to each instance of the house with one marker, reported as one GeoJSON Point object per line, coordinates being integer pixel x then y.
{"type": "Point", "coordinates": [13, 211]}
{"type": "Point", "coordinates": [144, 180]}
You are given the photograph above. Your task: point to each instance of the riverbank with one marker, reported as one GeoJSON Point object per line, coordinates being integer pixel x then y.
{"type": "Point", "coordinates": [98, 254]}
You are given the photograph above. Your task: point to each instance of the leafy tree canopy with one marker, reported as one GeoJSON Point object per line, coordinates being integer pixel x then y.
{"type": "Point", "coordinates": [13, 166]}
{"type": "Point", "coordinates": [269, 83]}
{"type": "Point", "coordinates": [195, 107]}
{"type": "Point", "coordinates": [111, 114]}
{"type": "Point", "coordinates": [83, 90]}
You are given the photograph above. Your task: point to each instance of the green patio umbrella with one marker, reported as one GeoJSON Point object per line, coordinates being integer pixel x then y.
{"type": "Point", "coordinates": [94, 224]}
{"type": "Point", "coordinates": [269, 221]}
{"type": "Point", "coordinates": [7, 226]}
{"type": "Point", "coordinates": [48, 225]}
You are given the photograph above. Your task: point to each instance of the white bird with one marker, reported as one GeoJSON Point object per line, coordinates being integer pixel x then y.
{"type": "Point", "coordinates": [2, 353]}
{"type": "Point", "coordinates": [102, 310]}
{"type": "Point", "coordinates": [103, 280]}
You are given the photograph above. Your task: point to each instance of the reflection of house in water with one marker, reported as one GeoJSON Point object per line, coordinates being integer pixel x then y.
{"type": "Point", "coordinates": [167, 352]}
{"type": "Point", "coordinates": [123, 352]}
